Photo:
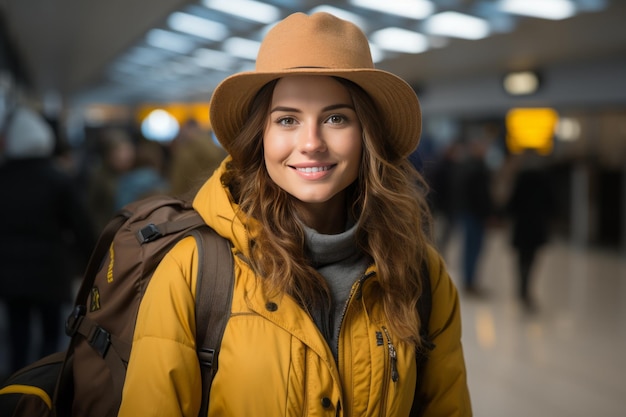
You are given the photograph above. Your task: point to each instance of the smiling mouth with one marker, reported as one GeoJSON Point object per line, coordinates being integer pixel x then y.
{"type": "Point", "coordinates": [313, 169]}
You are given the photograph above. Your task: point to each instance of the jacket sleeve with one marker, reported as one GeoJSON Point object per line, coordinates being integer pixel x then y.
{"type": "Point", "coordinates": [445, 379]}
{"type": "Point", "coordinates": [163, 377]}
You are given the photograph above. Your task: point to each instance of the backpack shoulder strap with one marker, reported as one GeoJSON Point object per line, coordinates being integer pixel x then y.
{"type": "Point", "coordinates": [63, 394]}
{"type": "Point", "coordinates": [97, 255]}
{"type": "Point", "coordinates": [424, 307]}
{"type": "Point", "coordinates": [214, 292]}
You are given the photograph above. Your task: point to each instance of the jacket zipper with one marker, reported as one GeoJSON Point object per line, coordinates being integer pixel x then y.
{"type": "Point", "coordinates": [390, 371]}
{"type": "Point", "coordinates": [355, 289]}
{"type": "Point", "coordinates": [393, 357]}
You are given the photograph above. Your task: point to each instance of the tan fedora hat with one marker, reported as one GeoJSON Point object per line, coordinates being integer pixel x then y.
{"type": "Point", "coordinates": [320, 44]}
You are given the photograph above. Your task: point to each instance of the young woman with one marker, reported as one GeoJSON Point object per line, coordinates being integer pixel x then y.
{"type": "Point", "coordinates": [327, 217]}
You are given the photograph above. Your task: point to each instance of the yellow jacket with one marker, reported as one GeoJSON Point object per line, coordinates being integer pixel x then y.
{"type": "Point", "coordinates": [273, 359]}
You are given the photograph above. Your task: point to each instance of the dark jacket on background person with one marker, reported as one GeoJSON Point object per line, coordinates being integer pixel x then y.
{"type": "Point", "coordinates": [476, 200]}
{"type": "Point", "coordinates": [531, 207]}
{"type": "Point", "coordinates": [41, 216]}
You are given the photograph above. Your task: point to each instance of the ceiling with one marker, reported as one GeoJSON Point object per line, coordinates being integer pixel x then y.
{"type": "Point", "coordinates": [68, 47]}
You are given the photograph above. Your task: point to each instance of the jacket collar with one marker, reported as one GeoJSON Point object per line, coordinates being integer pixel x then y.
{"type": "Point", "coordinates": [218, 210]}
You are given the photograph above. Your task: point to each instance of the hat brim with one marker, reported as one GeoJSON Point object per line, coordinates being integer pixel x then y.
{"type": "Point", "coordinates": [396, 100]}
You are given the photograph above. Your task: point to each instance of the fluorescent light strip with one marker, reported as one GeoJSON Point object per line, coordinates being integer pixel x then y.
{"type": "Point", "coordinates": [544, 9]}
{"type": "Point", "coordinates": [168, 40]}
{"type": "Point", "coordinates": [185, 67]}
{"type": "Point", "coordinates": [400, 40]}
{"type": "Point", "coordinates": [197, 26]}
{"type": "Point", "coordinates": [412, 9]}
{"type": "Point", "coordinates": [247, 9]}
{"type": "Point", "coordinates": [144, 56]}
{"type": "Point", "coordinates": [457, 25]}
{"type": "Point", "coordinates": [209, 58]}
{"type": "Point", "coordinates": [242, 48]}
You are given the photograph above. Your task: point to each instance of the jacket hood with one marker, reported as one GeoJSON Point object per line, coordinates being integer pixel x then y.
{"type": "Point", "coordinates": [216, 206]}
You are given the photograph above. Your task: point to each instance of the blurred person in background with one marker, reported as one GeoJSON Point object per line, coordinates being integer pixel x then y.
{"type": "Point", "coordinates": [41, 217]}
{"type": "Point", "coordinates": [531, 207]}
{"type": "Point", "coordinates": [145, 178]}
{"type": "Point", "coordinates": [117, 156]}
{"type": "Point", "coordinates": [446, 183]}
{"type": "Point", "coordinates": [476, 207]}
{"type": "Point", "coordinates": [194, 157]}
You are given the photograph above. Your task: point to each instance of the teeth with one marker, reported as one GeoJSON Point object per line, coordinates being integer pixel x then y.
{"type": "Point", "coordinates": [313, 169]}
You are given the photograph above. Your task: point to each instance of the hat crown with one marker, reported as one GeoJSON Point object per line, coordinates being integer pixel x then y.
{"type": "Point", "coordinates": [317, 41]}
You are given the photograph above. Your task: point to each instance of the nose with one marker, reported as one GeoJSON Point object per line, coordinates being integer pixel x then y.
{"type": "Point", "coordinates": [311, 140]}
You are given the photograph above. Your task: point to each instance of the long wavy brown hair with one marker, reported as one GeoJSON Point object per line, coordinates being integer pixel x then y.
{"type": "Point", "coordinates": [387, 199]}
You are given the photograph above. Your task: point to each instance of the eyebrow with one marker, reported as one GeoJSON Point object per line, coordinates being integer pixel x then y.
{"type": "Point", "coordinates": [327, 108]}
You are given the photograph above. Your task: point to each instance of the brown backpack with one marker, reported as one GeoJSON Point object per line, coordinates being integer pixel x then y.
{"type": "Point", "coordinates": [87, 379]}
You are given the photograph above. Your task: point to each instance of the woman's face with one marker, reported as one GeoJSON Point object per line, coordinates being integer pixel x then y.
{"type": "Point", "coordinates": [312, 140]}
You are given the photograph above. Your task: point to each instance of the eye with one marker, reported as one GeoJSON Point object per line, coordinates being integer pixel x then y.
{"type": "Point", "coordinates": [336, 119]}
{"type": "Point", "coordinates": [286, 121]}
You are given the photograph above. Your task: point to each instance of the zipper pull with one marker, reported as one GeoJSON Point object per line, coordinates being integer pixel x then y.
{"type": "Point", "coordinates": [393, 357]}
{"type": "Point", "coordinates": [394, 363]}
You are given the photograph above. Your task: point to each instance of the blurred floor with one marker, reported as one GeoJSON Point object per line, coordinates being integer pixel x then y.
{"type": "Point", "coordinates": [568, 359]}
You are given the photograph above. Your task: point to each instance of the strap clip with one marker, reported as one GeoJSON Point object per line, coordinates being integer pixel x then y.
{"type": "Point", "coordinates": [148, 233]}
{"type": "Point", "coordinates": [74, 319]}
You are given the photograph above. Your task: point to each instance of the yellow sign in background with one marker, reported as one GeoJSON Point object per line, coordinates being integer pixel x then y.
{"type": "Point", "coordinates": [531, 128]}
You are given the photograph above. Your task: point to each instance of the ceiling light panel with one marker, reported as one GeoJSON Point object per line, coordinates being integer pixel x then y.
{"type": "Point", "coordinates": [413, 9]}
{"type": "Point", "coordinates": [186, 66]}
{"type": "Point", "coordinates": [245, 66]}
{"type": "Point", "coordinates": [544, 9]}
{"type": "Point", "coordinates": [242, 48]}
{"type": "Point", "coordinates": [164, 39]}
{"type": "Point", "coordinates": [400, 40]}
{"type": "Point", "coordinates": [499, 21]}
{"type": "Point", "coordinates": [197, 26]}
{"type": "Point", "coordinates": [457, 25]}
{"type": "Point", "coordinates": [209, 58]}
{"type": "Point", "coordinates": [521, 83]}
{"type": "Point", "coordinates": [246, 9]}
{"type": "Point", "coordinates": [145, 56]}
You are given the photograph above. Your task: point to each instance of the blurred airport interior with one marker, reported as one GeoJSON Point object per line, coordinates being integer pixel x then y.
{"type": "Point", "coordinates": [507, 87]}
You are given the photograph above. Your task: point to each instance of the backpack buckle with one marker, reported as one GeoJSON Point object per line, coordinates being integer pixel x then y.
{"type": "Point", "coordinates": [100, 340]}
{"type": "Point", "coordinates": [148, 233]}
{"type": "Point", "coordinates": [74, 319]}
{"type": "Point", "coordinates": [206, 357]}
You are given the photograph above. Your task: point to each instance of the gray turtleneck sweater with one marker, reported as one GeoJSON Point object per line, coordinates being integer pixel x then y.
{"type": "Point", "coordinates": [338, 260]}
